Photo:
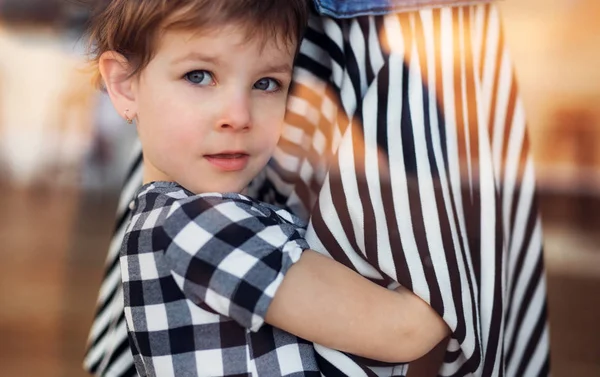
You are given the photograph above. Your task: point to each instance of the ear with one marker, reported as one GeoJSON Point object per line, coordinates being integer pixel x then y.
{"type": "Point", "coordinates": [120, 85]}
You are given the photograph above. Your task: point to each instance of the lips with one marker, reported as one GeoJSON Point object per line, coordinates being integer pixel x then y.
{"type": "Point", "coordinates": [228, 161]}
{"type": "Point", "coordinates": [228, 155]}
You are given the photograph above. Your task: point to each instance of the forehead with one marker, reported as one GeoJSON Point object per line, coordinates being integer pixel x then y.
{"type": "Point", "coordinates": [225, 40]}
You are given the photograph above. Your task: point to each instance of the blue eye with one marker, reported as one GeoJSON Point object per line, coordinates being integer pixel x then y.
{"type": "Point", "coordinates": [267, 84]}
{"type": "Point", "coordinates": [200, 77]}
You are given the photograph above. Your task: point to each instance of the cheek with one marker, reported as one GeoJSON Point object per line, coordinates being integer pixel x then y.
{"type": "Point", "coordinates": [270, 123]}
{"type": "Point", "coordinates": [161, 98]}
{"type": "Point", "coordinates": [156, 105]}
{"type": "Point", "coordinates": [169, 116]}
{"type": "Point", "coordinates": [169, 138]}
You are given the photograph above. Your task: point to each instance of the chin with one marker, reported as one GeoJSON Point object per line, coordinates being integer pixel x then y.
{"type": "Point", "coordinates": [220, 188]}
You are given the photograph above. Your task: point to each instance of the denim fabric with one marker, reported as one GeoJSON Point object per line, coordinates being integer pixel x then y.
{"type": "Point", "coordinates": [353, 8]}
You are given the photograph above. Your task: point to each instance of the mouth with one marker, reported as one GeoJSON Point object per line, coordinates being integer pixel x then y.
{"type": "Point", "coordinates": [228, 161]}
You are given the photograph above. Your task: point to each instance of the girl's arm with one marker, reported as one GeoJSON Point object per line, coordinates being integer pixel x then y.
{"type": "Point", "coordinates": [248, 262]}
{"type": "Point", "coordinates": [323, 301]}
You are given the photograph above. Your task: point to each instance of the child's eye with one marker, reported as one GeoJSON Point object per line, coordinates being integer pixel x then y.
{"type": "Point", "coordinates": [267, 84]}
{"type": "Point", "coordinates": [200, 77]}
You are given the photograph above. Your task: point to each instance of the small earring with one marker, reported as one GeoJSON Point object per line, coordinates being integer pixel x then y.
{"type": "Point", "coordinates": [127, 118]}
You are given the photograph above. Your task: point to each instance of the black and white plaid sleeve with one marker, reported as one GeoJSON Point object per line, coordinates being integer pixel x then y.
{"type": "Point", "coordinates": [199, 273]}
{"type": "Point", "coordinates": [231, 253]}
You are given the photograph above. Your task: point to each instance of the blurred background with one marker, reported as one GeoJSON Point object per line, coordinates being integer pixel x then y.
{"type": "Point", "coordinates": [63, 151]}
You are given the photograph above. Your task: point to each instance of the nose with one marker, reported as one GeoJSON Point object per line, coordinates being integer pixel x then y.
{"type": "Point", "coordinates": [236, 115]}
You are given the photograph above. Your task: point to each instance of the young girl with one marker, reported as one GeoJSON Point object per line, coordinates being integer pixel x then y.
{"type": "Point", "coordinates": [203, 267]}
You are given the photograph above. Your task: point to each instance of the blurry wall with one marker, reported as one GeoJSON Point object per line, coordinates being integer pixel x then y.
{"type": "Point", "coordinates": [55, 128]}
{"type": "Point", "coordinates": [555, 46]}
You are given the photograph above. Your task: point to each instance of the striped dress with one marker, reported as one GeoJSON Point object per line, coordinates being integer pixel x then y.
{"type": "Point", "coordinates": [405, 146]}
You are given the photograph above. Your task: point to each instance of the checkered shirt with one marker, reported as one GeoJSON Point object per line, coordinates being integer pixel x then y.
{"type": "Point", "coordinates": [199, 273]}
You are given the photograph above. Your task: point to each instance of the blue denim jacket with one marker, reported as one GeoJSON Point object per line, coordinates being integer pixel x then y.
{"type": "Point", "coordinates": [353, 8]}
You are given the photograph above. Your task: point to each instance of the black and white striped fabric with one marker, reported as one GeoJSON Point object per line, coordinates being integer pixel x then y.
{"type": "Point", "coordinates": [199, 273]}
{"type": "Point", "coordinates": [405, 146]}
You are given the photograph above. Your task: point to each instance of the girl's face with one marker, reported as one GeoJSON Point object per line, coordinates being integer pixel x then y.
{"type": "Point", "coordinates": [209, 108]}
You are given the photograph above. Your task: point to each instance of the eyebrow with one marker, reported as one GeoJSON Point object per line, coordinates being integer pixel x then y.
{"type": "Point", "coordinates": [197, 56]}
{"type": "Point", "coordinates": [277, 68]}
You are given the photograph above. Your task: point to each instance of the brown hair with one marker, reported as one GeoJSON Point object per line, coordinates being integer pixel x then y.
{"type": "Point", "coordinates": [131, 27]}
